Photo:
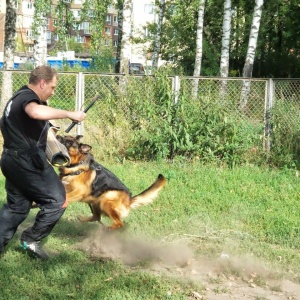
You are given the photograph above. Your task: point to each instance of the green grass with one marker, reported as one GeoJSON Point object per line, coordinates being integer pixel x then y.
{"type": "Point", "coordinates": [251, 214]}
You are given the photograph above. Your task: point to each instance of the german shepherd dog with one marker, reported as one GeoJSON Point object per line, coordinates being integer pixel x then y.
{"type": "Point", "coordinates": [87, 181]}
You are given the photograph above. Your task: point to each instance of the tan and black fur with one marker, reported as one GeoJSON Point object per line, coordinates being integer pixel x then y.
{"type": "Point", "coordinates": [87, 181]}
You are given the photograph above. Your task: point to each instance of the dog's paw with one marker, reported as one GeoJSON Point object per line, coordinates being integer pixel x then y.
{"type": "Point", "coordinates": [87, 219]}
{"type": "Point", "coordinates": [62, 170]}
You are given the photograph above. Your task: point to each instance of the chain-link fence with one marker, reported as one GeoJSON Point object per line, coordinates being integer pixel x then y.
{"type": "Point", "coordinates": [127, 102]}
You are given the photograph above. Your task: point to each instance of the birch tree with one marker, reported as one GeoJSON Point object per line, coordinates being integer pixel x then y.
{"type": "Point", "coordinates": [226, 32]}
{"type": "Point", "coordinates": [126, 33]}
{"type": "Point", "coordinates": [248, 67]}
{"type": "Point", "coordinates": [9, 49]}
{"type": "Point", "coordinates": [41, 8]}
{"type": "Point", "coordinates": [120, 6]}
{"type": "Point", "coordinates": [199, 50]}
{"type": "Point", "coordinates": [157, 42]}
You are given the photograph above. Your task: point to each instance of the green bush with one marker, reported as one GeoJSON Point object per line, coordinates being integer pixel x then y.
{"type": "Point", "coordinates": [285, 135]}
{"type": "Point", "coordinates": [191, 128]}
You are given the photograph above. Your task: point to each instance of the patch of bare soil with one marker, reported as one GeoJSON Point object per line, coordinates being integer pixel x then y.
{"type": "Point", "coordinates": [224, 277]}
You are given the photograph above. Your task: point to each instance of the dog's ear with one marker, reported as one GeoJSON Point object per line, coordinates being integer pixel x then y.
{"type": "Point", "coordinates": [78, 138]}
{"type": "Point", "coordinates": [84, 148]}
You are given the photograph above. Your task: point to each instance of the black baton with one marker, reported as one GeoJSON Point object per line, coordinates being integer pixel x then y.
{"type": "Point", "coordinates": [88, 107]}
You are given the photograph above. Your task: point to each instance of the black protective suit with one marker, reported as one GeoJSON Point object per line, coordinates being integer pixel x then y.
{"type": "Point", "coordinates": [29, 176]}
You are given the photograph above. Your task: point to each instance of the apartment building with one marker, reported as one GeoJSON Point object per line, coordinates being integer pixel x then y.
{"type": "Point", "coordinates": [143, 12]}
{"type": "Point", "coordinates": [2, 23]}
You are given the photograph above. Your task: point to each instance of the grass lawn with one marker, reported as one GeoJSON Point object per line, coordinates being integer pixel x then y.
{"type": "Point", "coordinates": [208, 221]}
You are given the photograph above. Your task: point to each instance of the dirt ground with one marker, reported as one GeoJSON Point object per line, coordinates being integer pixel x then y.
{"type": "Point", "coordinates": [224, 277]}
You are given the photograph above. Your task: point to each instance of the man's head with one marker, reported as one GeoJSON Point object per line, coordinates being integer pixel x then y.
{"type": "Point", "coordinates": [42, 81]}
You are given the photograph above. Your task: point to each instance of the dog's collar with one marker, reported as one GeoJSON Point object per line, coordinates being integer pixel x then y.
{"type": "Point", "coordinates": [75, 165]}
{"type": "Point", "coordinates": [93, 166]}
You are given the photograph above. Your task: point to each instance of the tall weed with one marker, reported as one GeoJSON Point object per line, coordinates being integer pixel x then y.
{"type": "Point", "coordinates": [192, 128]}
{"type": "Point", "coordinates": [285, 135]}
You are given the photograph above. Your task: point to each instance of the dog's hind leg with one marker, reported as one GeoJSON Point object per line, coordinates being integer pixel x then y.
{"type": "Point", "coordinates": [96, 217]}
{"type": "Point", "coordinates": [113, 214]}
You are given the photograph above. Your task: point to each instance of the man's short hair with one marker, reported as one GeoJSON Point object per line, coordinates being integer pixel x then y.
{"type": "Point", "coordinates": [42, 72]}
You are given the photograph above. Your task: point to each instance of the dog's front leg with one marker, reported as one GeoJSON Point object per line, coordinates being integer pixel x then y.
{"type": "Point", "coordinates": [74, 196]}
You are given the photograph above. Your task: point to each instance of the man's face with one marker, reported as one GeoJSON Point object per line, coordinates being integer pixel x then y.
{"type": "Point", "coordinates": [47, 88]}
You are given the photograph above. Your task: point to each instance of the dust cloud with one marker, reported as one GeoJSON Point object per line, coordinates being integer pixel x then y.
{"type": "Point", "coordinates": [111, 245]}
{"type": "Point", "coordinates": [223, 275]}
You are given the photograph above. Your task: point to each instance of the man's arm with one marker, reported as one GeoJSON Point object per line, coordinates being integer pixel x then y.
{"type": "Point", "coordinates": [42, 112]}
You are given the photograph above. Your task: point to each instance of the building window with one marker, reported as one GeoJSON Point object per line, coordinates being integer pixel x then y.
{"type": "Point", "coordinates": [115, 20]}
{"type": "Point", "coordinates": [29, 5]}
{"type": "Point", "coordinates": [149, 9]}
{"type": "Point", "coordinates": [116, 31]}
{"type": "Point", "coordinates": [28, 34]}
{"type": "Point", "coordinates": [107, 30]}
{"type": "Point", "coordinates": [49, 35]}
{"type": "Point", "coordinates": [84, 25]}
{"type": "Point", "coordinates": [147, 33]}
{"type": "Point", "coordinates": [76, 14]}
{"type": "Point", "coordinates": [79, 39]}
{"type": "Point", "coordinates": [108, 19]}
{"type": "Point", "coordinates": [115, 43]}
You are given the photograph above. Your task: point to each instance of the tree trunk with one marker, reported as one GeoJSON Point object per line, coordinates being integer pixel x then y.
{"type": "Point", "coordinates": [120, 7]}
{"type": "Point", "coordinates": [224, 64]}
{"type": "Point", "coordinates": [9, 50]}
{"type": "Point", "coordinates": [199, 50]}
{"type": "Point", "coordinates": [226, 33]}
{"type": "Point", "coordinates": [40, 42]}
{"type": "Point", "coordinates": [156, 50]}
{"type": "Point", "coordinates": [248, 67]}
{"type": "Point", "coordinates": [126, 32]}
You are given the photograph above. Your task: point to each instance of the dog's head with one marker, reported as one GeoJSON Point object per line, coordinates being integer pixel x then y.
{"type": "Point", "coordinates": [73, 144]}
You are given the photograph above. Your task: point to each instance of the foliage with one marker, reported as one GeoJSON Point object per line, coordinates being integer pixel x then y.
{"type": "Point", "coordinates": [285, 135]}
{"type": "Point", "coordinates": [277, 52]}
{"type": "Point", "coordinates": [201, 129]}
{"type": "Point", "coordinates": [41, 8]}
{"type": "Point", "coordinates": [103, 62]}
{"type": "Point", "coordinates": [276, 55]}
{"type": "Point", "coordinates": [65, 20]}
{"type": "Point", "coordinates": [95, 12]}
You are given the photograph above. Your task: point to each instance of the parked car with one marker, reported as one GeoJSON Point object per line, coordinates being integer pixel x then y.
{"type": "Point", "coordinates": [136, 68]}
{"type": "Point", "coordinates": [148, 70]}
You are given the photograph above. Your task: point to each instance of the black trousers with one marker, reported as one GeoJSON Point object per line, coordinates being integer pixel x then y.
{"type": "Point", "coordinates": [26, 183]}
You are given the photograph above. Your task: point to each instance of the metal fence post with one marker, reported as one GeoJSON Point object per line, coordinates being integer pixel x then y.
{"type": "Point", "coordinates": [79, 101]}
{"type": "Point", "coordinates": [176, 88]}
{"type": "Point", "coordinates": [269, 103]}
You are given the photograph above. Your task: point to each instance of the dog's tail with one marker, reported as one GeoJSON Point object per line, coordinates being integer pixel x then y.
{"type": "Point", "coordinates": [148, 195]}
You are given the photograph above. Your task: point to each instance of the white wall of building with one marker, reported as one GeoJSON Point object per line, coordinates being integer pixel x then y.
{"type": "Point", "coordinates": [143, 12]}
